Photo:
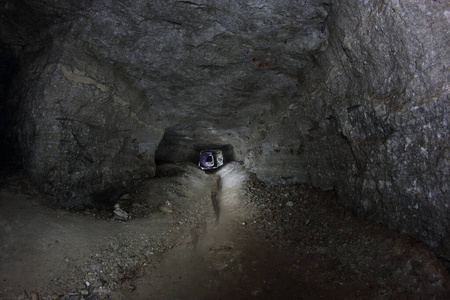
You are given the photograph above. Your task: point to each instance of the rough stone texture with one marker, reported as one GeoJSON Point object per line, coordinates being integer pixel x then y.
{"type": "Point", "coordinates": [344, 95]}
{"type": "Point", "coordinates": [82, 142]}
{"type": "Point", "coordinates": [372, 122]}
{"type": "Point", "coordinates": [114, 75]}
{"type": "Point", "coordinates": [387, 77]}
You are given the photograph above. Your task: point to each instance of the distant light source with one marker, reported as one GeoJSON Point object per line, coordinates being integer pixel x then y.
{"type": "Point", "coordinates": [210, 159]}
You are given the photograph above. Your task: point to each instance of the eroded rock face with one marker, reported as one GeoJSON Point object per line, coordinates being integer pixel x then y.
{"type": "Point", "coordinates": [394, 114]}
{"type": "Point", "coordinates": [373, 120]}
{"type": "Point", "coordinates": [110, 78]}
{"type": "Point", "coordinates": [81, 141]}
{"type": "Point", "coordinates": [343, 95]}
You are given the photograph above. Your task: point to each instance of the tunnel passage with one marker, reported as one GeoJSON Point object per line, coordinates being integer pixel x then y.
{"type": "Point", "coordinates": [182, 143]}
{"type": "Point", "coordinates": [227, 151]}
{"type": "Point", "coordinates": [320, 92]}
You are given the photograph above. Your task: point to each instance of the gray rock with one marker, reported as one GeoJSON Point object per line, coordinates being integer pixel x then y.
{"type": "Point", "coordinates": [125, 197]}
{"type": "Point", "coordinates": [120, 214]}
{"type": "Point", "coordinates": [371, 122]}
{"type": "Point", "coordinates": [165, 209]}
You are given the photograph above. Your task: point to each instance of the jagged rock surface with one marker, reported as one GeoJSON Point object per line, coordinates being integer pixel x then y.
{"type": "Point", "coordinates": [373, 119]}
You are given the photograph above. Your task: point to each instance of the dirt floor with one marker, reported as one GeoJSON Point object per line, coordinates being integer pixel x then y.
{"type": "Point", "coordinates": [207, 235]}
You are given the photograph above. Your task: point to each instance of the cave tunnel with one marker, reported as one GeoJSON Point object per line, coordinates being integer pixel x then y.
{"type": "Point", "coordinates": [346, 97]}
{"type": "Point", "coordinates": [183, 143]}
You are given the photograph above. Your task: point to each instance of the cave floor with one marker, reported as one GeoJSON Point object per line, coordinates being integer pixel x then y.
{"type": "Point", "coordinates": [207, 235]}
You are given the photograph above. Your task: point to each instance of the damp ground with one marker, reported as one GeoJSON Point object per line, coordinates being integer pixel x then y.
{"type": "Point", "coordinates": [207, 235]}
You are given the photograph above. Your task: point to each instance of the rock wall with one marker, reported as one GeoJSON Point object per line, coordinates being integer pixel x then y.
{"type": "Point", "coordinates": [373, 120]}
{"type": "Point", "coordinates": [81, 134]}
{"type": "Point", "coordinates": [388, 73]}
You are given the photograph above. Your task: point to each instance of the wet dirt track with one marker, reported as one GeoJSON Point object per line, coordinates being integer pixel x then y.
{"type": "Point", "coordinates": [218, 235]}
{"type": "Point", "coordinates": [292, 242]}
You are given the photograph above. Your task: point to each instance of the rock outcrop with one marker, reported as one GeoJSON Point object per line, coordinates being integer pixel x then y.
{"type": "Point", "coordinates": [372, 122]}
{"type": "Point", "coordinates": [343, 95]}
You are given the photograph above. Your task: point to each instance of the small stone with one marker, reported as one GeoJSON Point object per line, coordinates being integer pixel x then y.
{"type": "Point", "coordinates": [165, 209]}
{"type": "Point", "coordinates": [243, 223]}
{"type": "Point", "coordinates": [307, 221]}
{"type": "Point", "coordinates": [120, 214]}
{"type": "Point", "coordinates": [84, 292]}
{"type": "Point", "coordinates": [290, 203]}
{"type": "Point", "coordinates": [87, 283]}
{"type": "Point", "coordinates": [125, 197]}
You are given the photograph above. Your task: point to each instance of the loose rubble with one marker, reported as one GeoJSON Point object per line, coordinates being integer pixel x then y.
{"type": "Point", "coordinates": [310, 238]}
{"type": "Point", "coordinates": [337, 249]}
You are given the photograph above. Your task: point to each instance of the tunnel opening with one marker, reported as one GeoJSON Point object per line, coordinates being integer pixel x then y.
{"type": "Point", "coordinates": [227, 151]}
{"type": "Point", "coordinates": [184, 143]}
{"type": "Point", "coordinates": [210, 159]}
{"type": "Point", "coordinates": [193, 154]}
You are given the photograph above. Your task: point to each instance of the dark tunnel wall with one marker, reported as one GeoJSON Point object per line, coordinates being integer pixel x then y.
{"type": "Point", "coordinates": [373, 120]}
{"type": "Point", "coordinates": [9, 145]}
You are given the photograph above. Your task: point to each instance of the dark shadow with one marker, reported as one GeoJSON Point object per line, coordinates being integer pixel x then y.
{"type": "Point", "coordinates": [10, 154]}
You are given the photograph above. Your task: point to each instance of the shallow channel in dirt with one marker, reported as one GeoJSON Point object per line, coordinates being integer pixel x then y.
{"type": "Point", "coordinates": [208, 235]}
